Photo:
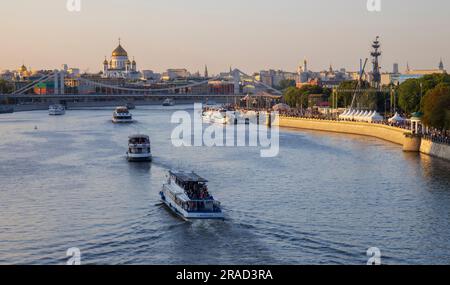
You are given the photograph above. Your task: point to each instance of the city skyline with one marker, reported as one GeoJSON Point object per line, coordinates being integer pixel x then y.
{"type": "Point", "coordinates": [252, 36]}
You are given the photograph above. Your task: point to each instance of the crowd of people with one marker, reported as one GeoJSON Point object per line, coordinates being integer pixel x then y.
{"type": "Point", "coordinates": [434, 135]}
{"type": "Point", "coordinates": [139, 141]}
{"type": "Point", "coordinates": [198, 192]}
{"type": "Point", "coordinates": [318, 116]}
{"type": "Point", "coordinates": [437, 136]}
{"type": "Point", "coordinates": [402, 125]}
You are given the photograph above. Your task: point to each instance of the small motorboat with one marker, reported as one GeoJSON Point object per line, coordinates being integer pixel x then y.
{"type": "Point", "coordinates": [187, 195]}
{"type": "Point", "coordinates": [139, 148]}
{"type": "Point", "coordinates": [56, 110]}
{"type": "Point", "coordinates": [122, 115]}
{"type": "Point", "coordinates": [168, 102]}
{"type": "Point", "coordinates": [131, 106]}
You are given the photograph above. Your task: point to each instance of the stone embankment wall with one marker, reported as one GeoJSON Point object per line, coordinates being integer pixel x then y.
{"type": "Point", "coordinates": [392, 134]}
{"type": "Point", "coordinates": [435, 149]}
{"type": "Point", "coordinates": [398, 136]}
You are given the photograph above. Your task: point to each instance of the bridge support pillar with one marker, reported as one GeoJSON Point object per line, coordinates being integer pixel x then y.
{"type": "Point", "coordinates": [237, 80]}
{"type": "Point", "coordinates": [56, 82]}
{"type": "Point", "coordinates": [62, 83]}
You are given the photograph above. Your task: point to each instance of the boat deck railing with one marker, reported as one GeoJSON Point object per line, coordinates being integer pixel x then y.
{"type": "Point", "coordinates": [139, 145]}
{"type": "Point", "coordinates": [202, 206]}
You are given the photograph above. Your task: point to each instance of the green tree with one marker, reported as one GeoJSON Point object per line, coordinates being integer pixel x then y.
{"type": "Point", "coordinates": [297, 98]}
{"type": "Point", "coordinates": [412, 91]}
{"type": "Point", "coordinates": [436, 107]}
{"type": "Point", "coordinates": [5, 87]}
{"type": "Point", "coordinates": [344, 99]}
{"type": "Point", "coordinates": [409, 95]}
{"type": "Point", "coordinates": [429, 82]}
{"type": "Point", "coordinates": [292, 96]}
{"type": "Point", "coordinates": [286, 83]}
{"type": "Point", "coordinates": [371, 99]}
{"type": "Point", "coordinates": [345, 92]}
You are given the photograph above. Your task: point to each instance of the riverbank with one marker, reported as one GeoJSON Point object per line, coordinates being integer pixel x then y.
{"type": "Point", "coordinates": [392, 134]}
{"type": "Point", "coordinates": [435, 149]}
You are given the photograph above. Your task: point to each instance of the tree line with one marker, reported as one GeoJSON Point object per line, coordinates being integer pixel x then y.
{"type": "Point", "coordinates": [5, 88]}
{"type": "Point", "coordinates": [429, 95]}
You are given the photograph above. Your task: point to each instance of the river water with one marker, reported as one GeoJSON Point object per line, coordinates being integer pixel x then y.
{"type": "Point", "coordinates": [325, 199]}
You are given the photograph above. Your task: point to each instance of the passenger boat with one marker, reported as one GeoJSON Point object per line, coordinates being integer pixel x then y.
{"type": "Point", "coordinates": [56, 110]}
{"type": "Point", "coordinates": [6, 109]}
{"type": "Point", "coordinates": [245, 117]}
{"type": "Point", "coordinates": [217, 116]}
{"type": "Point", "coordinates": [122, 115]}
{"type": "Point", "coordinates": [139, 148]}
{"type": "Point", "coordinates": [187, 195]}
{"type": "Point", "coordinates": [168, 102]}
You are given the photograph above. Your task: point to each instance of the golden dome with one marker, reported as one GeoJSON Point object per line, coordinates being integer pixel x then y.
{"type": "Point", "coordinates": [23, 68]}
{"type": "Point", "coordinates": [119, 51]}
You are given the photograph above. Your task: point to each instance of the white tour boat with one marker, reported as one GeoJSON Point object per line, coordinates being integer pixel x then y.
{"type": "Point", "coordinates": [217, 116]}
{"type": "Point", "coordinates": [168, 102]}
{"type": "Point", "coordinates": [56, 110]}
{"type": "Point", "coordinates": [187, 195]}
{"type": "Point", "coordinates": [122, 115]}
{"type": "Point", "coordinates": [139, 148]}
{"type": "Point", "coordinates": [246, 116]}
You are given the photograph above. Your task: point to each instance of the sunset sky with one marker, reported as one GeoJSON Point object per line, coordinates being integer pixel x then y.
{"type": "Point", "coordinates": [249, 34]}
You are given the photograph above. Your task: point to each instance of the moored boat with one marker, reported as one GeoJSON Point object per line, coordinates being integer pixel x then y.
{"type": "Point", "coordinates": [139, 148]}
{"type": "Point", "coordinates": [217, 116]}
{"type": "Point", "coordinates": [168, 102]}
{"type": "Point", "coordinates": [56, 110]}
{"type": "Point", "coordinates": [122, 115]}
{"type": "Point", "coordinates": [187, 195]}
{"type": "Point", "coordinates": [131, 106]}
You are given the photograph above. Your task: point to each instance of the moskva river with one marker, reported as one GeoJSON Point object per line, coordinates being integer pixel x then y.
{"type": "Point", "coordinates": [325, 199]}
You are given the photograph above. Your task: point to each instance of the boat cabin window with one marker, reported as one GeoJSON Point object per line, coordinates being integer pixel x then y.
{"type": "Point", "coordinates": [139, 141]}
{"type": "Point", "coordinates": [194, 190]}
{"type": "Point", "coordinates": [122, 110]}
{"type": "Point", "coordinates": [207, 206]}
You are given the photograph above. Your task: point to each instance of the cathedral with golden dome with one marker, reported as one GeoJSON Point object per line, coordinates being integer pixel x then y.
{"type": "Point", "coordinates": [120, 66]}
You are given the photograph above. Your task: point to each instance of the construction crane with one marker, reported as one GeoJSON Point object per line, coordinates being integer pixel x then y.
{"type": "Point", "coordinates": [359, 84]}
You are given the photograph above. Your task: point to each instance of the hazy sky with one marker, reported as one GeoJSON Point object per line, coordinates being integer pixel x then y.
{"type": "Point", "coordinates": [249, 34]}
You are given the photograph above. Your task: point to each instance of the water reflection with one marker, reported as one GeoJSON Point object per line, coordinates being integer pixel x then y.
{"type": "Point", "coordinates": [326, 198]}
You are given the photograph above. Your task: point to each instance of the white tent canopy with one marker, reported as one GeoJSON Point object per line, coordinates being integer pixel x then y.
{"type": "Point", "coordinates": [281, 107]}
{"type": "Point", "coordinates": [397, 119]}
{"type": "Point", "coordinates": [365, 116]}
{"type": "Point", "coordinates": [344, 115]}
{"type": "Point", "coordinates": [375, 117]}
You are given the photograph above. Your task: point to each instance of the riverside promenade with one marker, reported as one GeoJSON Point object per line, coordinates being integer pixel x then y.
{"type": "Point", "coordinates": [400, 136]}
